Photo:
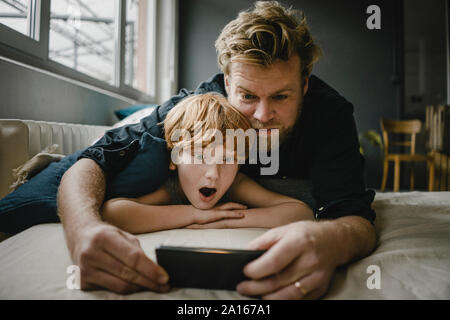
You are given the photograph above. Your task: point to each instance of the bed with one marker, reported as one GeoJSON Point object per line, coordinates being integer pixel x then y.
{"type": "Point", "coordinates": [412, 257]}
{"type": "Point", "coordinates": [412, 254]}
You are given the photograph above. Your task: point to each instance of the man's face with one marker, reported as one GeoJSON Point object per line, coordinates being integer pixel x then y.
{"type": "Point", "coordinates": [271, 97]}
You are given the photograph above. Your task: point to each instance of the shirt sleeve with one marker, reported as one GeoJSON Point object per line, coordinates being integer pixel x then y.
{"type": "Point", "coordinates": [119, 146]}
{"type": "Point", "coordinates": [337, 169]}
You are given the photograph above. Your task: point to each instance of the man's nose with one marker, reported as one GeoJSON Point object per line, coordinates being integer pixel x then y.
{"type": "Point", "coordinates": [212, 171]}
{"type": "Point", "coordinates": [263, 112]}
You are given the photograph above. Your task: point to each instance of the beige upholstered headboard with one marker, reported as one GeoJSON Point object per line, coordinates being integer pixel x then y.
{"type": "Point", "coordinates": [20, 140]}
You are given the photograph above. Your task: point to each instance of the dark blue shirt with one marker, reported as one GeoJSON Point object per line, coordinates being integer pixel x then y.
{"type": "Point", "coordinates": [322, 148]}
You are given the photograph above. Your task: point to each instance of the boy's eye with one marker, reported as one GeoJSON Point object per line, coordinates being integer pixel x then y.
{"type": "Point", "coordinates": [198, 157]}
{"type": "Point", "coordinates": [228, 159]}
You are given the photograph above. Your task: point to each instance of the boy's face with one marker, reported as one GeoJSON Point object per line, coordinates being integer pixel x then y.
{"type": "Point", "coordinates": [205, 179]}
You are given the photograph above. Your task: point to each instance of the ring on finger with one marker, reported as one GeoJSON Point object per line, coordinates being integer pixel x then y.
{"type": "Point", "coordinates": [299, 286]}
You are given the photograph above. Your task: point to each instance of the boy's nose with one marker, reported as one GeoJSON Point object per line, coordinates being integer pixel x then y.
{"type": "Point", "coordinates": [212, 171]}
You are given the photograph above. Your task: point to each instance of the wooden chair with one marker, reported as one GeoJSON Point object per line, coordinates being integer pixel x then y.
{"type": "Point", "coordinates": [411, 127]}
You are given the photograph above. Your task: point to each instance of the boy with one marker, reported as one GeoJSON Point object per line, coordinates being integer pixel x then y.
{"type": "Point", "coordinates": [207, 192]}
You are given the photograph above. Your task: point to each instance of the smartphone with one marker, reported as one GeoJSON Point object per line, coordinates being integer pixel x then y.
{"type": "Point", "coordinates": [205, 268]}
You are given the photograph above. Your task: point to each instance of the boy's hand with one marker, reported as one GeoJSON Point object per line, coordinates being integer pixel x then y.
{"type": "Point", "coordinates": [229, 210]}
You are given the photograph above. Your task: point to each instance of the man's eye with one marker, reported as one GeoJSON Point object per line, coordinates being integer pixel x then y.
{"type": "Point", "coordinates": [280, 97]}
{"type": "Point", "coordinates": [248, 96]}
{"type": "Point", "coordinates": [198, 157]}
{"type": "Point", "coordinates": [227, 159]}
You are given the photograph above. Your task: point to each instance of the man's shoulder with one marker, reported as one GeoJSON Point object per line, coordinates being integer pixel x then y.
{"type": "Point", "coordinates": [214, 84]}
{"type": "Point", "coordinates": [324, 100]}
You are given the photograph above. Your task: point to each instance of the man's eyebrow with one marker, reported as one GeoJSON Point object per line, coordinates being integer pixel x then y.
{"type": "Point", "coordinates": [277, 92]}
{"type": "Point", "coordinates": [245, 89]}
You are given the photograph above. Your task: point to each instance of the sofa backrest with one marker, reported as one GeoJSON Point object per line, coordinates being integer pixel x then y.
{"type": "Point", "coordinates": [20, 140]}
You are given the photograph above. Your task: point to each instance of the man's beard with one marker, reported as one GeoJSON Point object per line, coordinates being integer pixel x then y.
{"type": "Point", "coordinates": [284, 131]}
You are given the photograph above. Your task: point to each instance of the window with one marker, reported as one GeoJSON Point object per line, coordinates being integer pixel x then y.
{"type": "Point", "coordinates": [139, 36]}
{"type": "Point", "coordinates": [425, 56]}
{"type": "Point", "coordinates": [19, 15]}
{"type": "Point", "coordinates": [82, 36]}
{"type": "Point", "coordinates": [111, 44]}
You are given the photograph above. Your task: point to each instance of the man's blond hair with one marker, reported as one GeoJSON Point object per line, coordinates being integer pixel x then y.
{"type": "Point", "coordinates": [264, 34]}
{"type": "Point", "coordinates": [200, 115]}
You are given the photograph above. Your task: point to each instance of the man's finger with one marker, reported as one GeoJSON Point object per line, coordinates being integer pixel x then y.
{"type": "Point", "coordinates": [131, 238]}
{"type": "Point", "coordinates": [274, 260]}
{"type": "Point", "coordinates": [265, 241]}
{"type": "Point", "coordinates": [305, 289]}
{"type": "Point", "coordinates": [116, 268]}
{"type": "Point", "coordinates": [134, 257]}
{"type": "Point", "coordinates": [104, 280]}
{"type": "Point", "coordinates": [290, 274]}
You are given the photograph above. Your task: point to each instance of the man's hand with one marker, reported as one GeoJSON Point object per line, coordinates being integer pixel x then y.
{"type": "Point", "coordinates": [303, 256]}
{"type": "Point", "coordinates": [108, 257]}
{"type": "Point", "coordinates": [113, 259]}
{"type": "Point", "coordinates": [229, 210]}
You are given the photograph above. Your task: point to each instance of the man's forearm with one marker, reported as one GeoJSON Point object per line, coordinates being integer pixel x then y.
{"type": "Point", "coordinates": [354, 236]}
{"type": "Point", "coordinates": [80, 196]}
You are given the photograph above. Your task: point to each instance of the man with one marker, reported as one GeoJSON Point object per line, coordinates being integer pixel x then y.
{"type": "Point", "coordinates": [267, 56]}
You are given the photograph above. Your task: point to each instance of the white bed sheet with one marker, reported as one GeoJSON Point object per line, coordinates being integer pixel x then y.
{"type": "Point", "coordinates": [413, 256]}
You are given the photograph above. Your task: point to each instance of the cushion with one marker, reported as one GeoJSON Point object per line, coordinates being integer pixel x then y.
{"type": "Point", "coordinates": [134, 118]}
{"type": "Point", "coordinates": [144, 173]}
{"type": "Point", "coordinates": [35, 165]}
{"type": "Point", "coordinates": [123, 113]}
{"type": "Point", "coordinates": [35, 201]}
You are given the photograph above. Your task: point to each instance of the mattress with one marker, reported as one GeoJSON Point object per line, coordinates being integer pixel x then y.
{"type": "Point", "coordinates": [411, 260]}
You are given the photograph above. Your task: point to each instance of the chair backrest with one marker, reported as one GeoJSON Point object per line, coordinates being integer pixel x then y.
{"type": "Point", "coordinates": [411, 127]}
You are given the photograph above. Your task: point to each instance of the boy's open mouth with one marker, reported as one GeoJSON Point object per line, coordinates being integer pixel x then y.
{"type": "Point", "coordinates": [207, 191]}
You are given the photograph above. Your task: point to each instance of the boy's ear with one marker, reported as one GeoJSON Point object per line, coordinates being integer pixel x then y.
{"type": "Point", "coordinates": [172, 166]}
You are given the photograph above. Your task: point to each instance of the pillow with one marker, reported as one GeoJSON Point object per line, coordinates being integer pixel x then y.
{"type": "Point", "coordinates": [148, 170]}
{"type": "Point", "coordinates": [135, 117]}
{"type": "Point", "coordinates": [123, 113]}
{"type": "Point", "coordinates": [35, 201]}
{"type": "Point", "coordinates": [35, 165]}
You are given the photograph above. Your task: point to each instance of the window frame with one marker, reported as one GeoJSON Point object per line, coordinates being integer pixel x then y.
{"type": "Point", "coordinates": [25, 43]}
{"type": "Point", "coordinates": [22, 48]}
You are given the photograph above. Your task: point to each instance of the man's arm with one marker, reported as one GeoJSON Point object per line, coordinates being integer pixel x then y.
{"type": "Point", "coordinates": [96, 246]}
{"type": "Point", "coordinates": [80, 196]}
{"type": "Point", "coordinates": [307, 253]}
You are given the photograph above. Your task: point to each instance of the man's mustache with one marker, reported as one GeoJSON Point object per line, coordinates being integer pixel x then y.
{"type": "Point", "coordinates": [268, 125]}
